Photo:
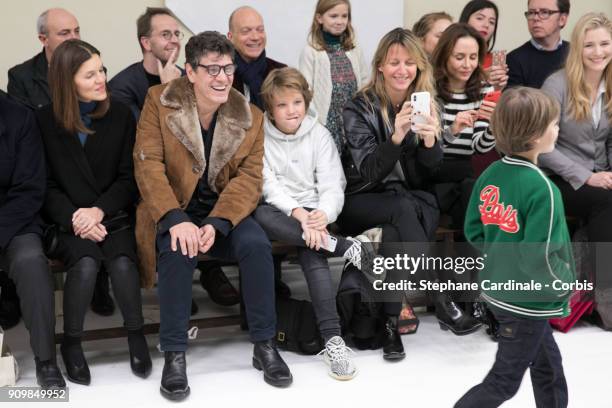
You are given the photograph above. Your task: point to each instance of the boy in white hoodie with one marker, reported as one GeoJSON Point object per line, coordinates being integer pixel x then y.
{"type": "Point", "coordinates": [303, 192]}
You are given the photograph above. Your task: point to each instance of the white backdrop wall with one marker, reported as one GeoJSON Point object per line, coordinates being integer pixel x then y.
{"type": "Point", "coordinates": [110, 25]}
{"type": "Point", "coordinates": [287, 27]}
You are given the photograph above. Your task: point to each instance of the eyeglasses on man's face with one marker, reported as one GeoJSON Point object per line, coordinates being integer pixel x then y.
{"type": "Point", "coordinates": [167, 35]}
{"type": "Point", "coordinates": [214, 69]}
{"type": "Point", "coordinates": [542, 14]}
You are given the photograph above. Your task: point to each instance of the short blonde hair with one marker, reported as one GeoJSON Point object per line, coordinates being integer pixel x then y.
{"type": "Point", "coordinates": [284, 78]}
{"type": "Point", "coordinates": [521, 116]}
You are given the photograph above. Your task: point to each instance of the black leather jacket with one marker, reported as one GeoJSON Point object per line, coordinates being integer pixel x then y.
{"type": "Point", "coordinates": [370, 155]}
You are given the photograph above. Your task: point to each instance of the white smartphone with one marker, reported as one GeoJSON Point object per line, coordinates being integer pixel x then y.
{"type": "Point", "coordinates": [329, 245]}
{"type": "Point", "coordinates": [421, 104]}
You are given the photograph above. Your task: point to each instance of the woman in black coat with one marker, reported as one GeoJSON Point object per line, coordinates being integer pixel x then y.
{"type": "Point", "coordinates": [91, 194]}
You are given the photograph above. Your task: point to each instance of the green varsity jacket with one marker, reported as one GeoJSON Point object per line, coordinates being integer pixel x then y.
{"type": "Point", "coordinates": [516, 218]}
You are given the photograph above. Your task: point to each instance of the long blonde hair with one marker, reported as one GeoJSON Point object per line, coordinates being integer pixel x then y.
{"type": "Point", "coordinates": [423, 82]}
{"type": "Point", "coordinates": [579, 94]}
{"type": "Point", "coordinates": [315, 38]}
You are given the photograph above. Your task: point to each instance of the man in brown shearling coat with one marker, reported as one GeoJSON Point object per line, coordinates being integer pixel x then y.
{"type": "Point", "coordinates": [198, 163]}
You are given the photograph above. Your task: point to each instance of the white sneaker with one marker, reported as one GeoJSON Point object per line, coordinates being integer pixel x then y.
{"type": "Point", "coordinates": [336, 355]}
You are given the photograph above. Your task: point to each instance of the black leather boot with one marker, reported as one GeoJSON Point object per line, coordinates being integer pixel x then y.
{"type": "Point", "coordinates": [393, 349]}
{"type": "Point", "coordinates": [174, 385]}
{"type": "Point", "coordinates": [140, 359]}
{"type": "Point", "coordinates": [219, 288]}
{"type": "Point", "coordinates": [267, 359]}
{"type": "Point", "coordinates": [102, 302]}
{"type": "Point", "coordinates": [451, 317]}
{"type": "Point", "coordinates": [77, 369]}
{"type": "Point", "coordinates": [48, 375]}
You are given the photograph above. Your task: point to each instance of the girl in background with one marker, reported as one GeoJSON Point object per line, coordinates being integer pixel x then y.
{"type": "Point", "coordinates": [333, 64]}
{"type": "Point", "coordinates": [430, 27]}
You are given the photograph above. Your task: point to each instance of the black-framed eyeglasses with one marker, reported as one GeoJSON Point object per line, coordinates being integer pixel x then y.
{"type": "Point", "coordinates": [543, 14]}
{"type": "Point", "coordinates": [167, 35]}
{"type": "Point", "coordinates": [214, 69]}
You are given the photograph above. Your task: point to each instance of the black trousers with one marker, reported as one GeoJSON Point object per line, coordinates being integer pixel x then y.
{"type": "Point", "coordinates": [401, 217]}
{"type": "Point", "coordinates": [280, 227]}
{"type": "Point", "coordinates": [246, 243]}
{"type": "Point", "coordinates": [79, 288]}
{"type": "Point", "coordinates": [523, 344]}
{"type": "Point", "coordinates": [27, 266]}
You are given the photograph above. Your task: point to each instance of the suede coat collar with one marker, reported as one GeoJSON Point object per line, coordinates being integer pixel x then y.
{"type": "Point", "coordinates": [233, 118]}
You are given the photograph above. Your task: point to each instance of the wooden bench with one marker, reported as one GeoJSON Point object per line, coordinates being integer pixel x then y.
{"type": "Point", "coordinates": [280, 252]}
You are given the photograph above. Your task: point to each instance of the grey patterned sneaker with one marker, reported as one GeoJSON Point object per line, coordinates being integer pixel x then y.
{"type": "Point", "coordinates": [361, 253]}
{"type": "Point", "coordinates": [337, 356]}
{"type": "Point", "coordinates": [355, 254]}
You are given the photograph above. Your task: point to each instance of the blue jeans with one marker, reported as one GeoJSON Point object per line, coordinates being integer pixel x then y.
{"type": "Point", "coordinates": [523, 344]}
{"type": "Point", "coordinates": [246, 243]}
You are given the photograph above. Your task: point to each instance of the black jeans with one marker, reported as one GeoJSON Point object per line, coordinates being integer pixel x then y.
{"type": "Point", "coordinates": [79, 288]}
{"type": "Point", "coordinates": [246, 243]}
{"type": "Point", "coordinates": [523, 344]}
{"type": "Point", "coordinates": [281, 227]}
{"type": "Point", "coordinates": [401, 217]}
{"type": "Point", "coordinates": [27, 266]}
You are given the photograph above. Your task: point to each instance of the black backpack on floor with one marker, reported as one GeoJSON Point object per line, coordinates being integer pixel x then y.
{"type": "Point", "coordinates": [361, 318]}
{"type": "Point", "coordinates": [296, 327]}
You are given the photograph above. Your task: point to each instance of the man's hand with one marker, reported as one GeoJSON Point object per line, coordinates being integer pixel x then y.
{"type": "Point", "coordinates": [207, 238]}
{"type": "Point", "coordinates": [170, 71]}
{"type": "Point", "coordinates": [188, 236]}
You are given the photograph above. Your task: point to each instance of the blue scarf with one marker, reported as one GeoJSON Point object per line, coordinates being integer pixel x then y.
{"type": "Point", "coordinates": [85, 108]}
{"type": "Point", "coordinates": [253, 75]}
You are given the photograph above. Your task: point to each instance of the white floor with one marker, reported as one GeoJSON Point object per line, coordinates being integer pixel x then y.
{"type": "Point", "coordinates": [439, 367]}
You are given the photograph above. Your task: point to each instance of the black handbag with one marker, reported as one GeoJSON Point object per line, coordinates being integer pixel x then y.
{"type": "Point", "coordinates": [296, 327]}
{"type": "Point", "coordinates": [118, 222]}
{"type": "Point", "coordinates": [50, 239]}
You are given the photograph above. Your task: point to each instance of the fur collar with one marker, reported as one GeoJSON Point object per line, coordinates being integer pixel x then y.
{"type": "Point", "coordinates": [233, 120]}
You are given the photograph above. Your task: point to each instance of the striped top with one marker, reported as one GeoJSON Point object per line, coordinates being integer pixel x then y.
{"type": "Point", "coordinates": [471, 139]}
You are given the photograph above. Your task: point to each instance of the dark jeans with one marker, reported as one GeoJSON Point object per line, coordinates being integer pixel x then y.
{"type": "Point", "coordinates": [401, 220]}
{"type": "Point", "coordinates": [27, 266]}
{"type": "Point", "coordinates": [281, 227]}
{"type": "Point", "coordinates": [79, 288]}
{"type": "Point", "coordinates": [523, 344]}
{"type": "Point", "coordinates": [246, 243]}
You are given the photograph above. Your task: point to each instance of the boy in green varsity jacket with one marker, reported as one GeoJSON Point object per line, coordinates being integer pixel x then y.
{"type": "Point", "coordinates": [515, 216]}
